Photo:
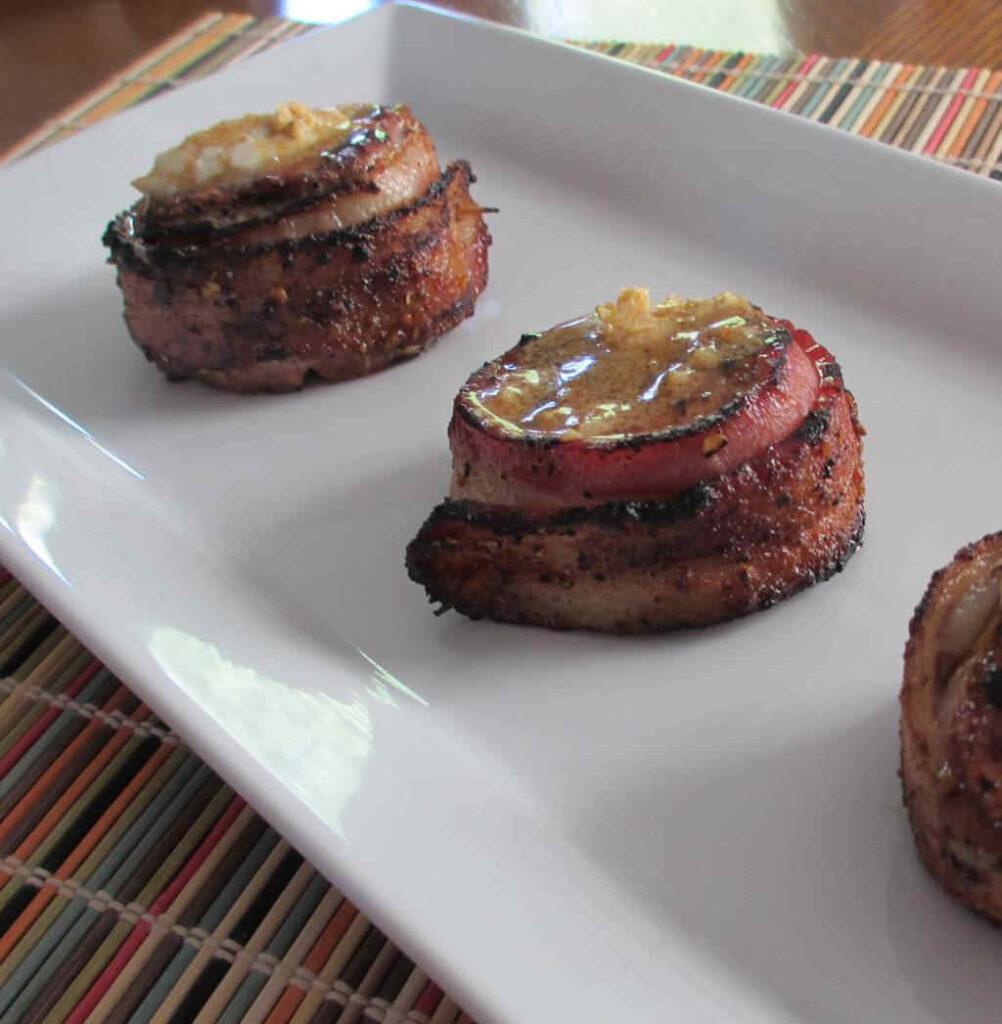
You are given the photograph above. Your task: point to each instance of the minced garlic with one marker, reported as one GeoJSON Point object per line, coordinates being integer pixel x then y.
{"type": "Point", "coordinates": [237, 152]}
{"type": "Point", "coordinates": [726, 326]}
{"type": "Point", "coordinates": [630, 367]}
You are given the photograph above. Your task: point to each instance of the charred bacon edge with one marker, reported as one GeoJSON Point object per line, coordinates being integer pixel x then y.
{"type": "Point", "coordinates": [180, 233]}
{"type": "Point", "coordinates": [505, 520]}
{"type": "Point", "coordinates": [520, 522]}
{"type": "Point", "coordinates": [332, 172]}
{"type": "Point", "coordinates": [434, 329]}
{"type": "Point", "coordinates": [514, 521]}
{"type": "Point", "coordinates": [134, 254]}
{"type": "Point", "coordinates": [833, 561]}
{"type": "Point", "coordinates": [230, 214]}
{"type": "Point", "coordinates": [398, 254]}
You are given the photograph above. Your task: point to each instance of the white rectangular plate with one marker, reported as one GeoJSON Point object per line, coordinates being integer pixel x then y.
{"type": "Point", "coordinates": [704, 826]}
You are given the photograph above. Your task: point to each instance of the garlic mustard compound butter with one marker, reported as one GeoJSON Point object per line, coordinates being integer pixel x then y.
{"type": "Point", "coordinates": [238, 152]}
{"type": "Point", "coordinates": [629, 368]}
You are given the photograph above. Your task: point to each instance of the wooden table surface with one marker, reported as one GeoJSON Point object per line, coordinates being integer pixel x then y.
{"type": "Point", "coordinates": [52, 51]}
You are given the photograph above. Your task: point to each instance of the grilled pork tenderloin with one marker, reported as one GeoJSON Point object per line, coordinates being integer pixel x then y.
{"type": "Point", "coordinates": [272, 247]}
{"type": "Point", "coordinates": [646, 468]}
{"type": "Point", "coordinates": [951, 726]}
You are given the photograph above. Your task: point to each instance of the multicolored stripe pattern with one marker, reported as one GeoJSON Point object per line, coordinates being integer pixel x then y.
{"type": "Point", "coordinates": [135, 886]}
{"type": "Point", "coordinates": [208, 44]}
{"type": "Point", "coordinates": [949, 114]}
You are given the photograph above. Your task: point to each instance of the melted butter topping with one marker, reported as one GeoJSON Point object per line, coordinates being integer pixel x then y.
{"type": "Point", "coordinates": [238, 152]}
{"type": "Point", "coordinates": [629, 368]}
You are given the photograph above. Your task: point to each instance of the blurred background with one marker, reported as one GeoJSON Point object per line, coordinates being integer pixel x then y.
{"type": "Point", "coordinates": [53, 51]}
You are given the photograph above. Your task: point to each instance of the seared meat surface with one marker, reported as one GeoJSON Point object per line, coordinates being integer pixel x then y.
{"type": "Point", "coordinates": [731, 545]}
{"type": "Point", "coordinates": [951, 726]}
{"type": "Point", "coordinates": [338, 262]}
{"type": "Point", "coordinates": [636, 532]}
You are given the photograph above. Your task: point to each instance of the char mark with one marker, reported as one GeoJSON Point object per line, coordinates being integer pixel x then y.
{"type": "Point", "coordinates": [123, 237]}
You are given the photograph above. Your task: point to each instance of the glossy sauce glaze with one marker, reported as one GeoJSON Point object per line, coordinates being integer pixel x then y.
{"type": "Point", "coordinates": [237, 152]}
{"type": "Point", "coordinates": [631, 368]}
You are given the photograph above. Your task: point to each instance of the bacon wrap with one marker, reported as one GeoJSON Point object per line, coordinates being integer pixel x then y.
{"type": "Point", "coordinates": [340, 266]}
{"type": "Point", "coordinates": [951, 726]}
{"type": "Point", "coordinates": [661, 556]}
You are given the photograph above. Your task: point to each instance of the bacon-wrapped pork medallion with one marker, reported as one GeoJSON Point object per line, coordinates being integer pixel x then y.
{"type": "Point", "coordinates": [951, 726]}
{"type": "Point", "coordinates": [646, 467]}
{"type": "Point", "coordinates": [324, 242]}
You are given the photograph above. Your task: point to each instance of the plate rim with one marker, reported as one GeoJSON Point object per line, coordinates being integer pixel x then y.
{"type": "Point", "coordinates": [23, 562]}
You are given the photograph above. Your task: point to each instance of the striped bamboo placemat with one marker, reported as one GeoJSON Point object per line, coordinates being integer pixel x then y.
{"type": "Point", "coordinates": [135, 886]}
{"type": "Point", "coordinates": [949, 114]}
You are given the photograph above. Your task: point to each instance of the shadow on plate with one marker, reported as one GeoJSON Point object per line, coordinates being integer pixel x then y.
{"type": "Point", "coordinates": [948, 955]}
{"type": "Point", "coordinates": [333, 568]}
{"type": "Point", "coordinates": [791, 868]}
